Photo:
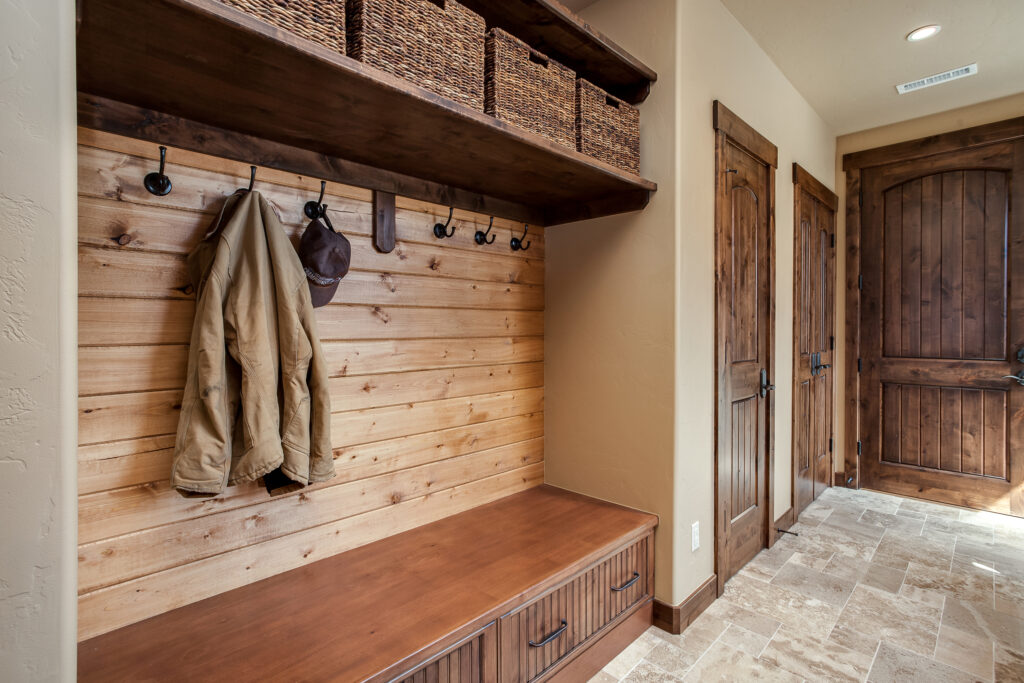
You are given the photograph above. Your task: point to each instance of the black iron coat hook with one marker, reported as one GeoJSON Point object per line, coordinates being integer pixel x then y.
{"type": "Point", "coordinates": [441, 231]}
{"type": "Point", "coordinates": [156, 182]}
{"type": "Point", "coordinates": [481, 236]}
{"type": "Point", "coordinates": [517, 242]}
{"type": "Point", "coordinates": [316, 209]}
{"type": "Point", "coordinates": [252, 178]}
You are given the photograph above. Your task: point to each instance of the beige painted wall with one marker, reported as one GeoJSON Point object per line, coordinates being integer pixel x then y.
{"type": "Point", "coordinates": [944, 122]}
{"type": "Point", "coordinates": [630, 309]}
{"type": "Point", "coordinates": [38, 283]}
{"type": "Point", "coordinates": [609, 315]}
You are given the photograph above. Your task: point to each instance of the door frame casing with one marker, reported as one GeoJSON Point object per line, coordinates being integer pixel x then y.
{"type": "Point", "coordinates": [729, 127]}
{"type": "Point", "coordinates": [854, 164]}
{"type": "Point", "coordinates": [805, 182]}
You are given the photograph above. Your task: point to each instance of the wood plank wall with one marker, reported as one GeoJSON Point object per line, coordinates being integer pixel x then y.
{"type": "Point", "coordinates": [435, 353]}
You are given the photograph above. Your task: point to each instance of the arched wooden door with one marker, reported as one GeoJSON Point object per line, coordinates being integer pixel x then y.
{"type": "Point", "coordinates": [744, 341]}
{"type": "Point", "coordinates": [813, 336]}
{"type": "Point", "coordinates": [942, 327]}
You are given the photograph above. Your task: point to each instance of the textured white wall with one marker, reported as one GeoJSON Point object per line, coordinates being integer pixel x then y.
{"type": "Point", "coordinates": [38, 282]}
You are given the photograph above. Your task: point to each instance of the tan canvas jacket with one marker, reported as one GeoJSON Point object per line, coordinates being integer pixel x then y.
{"type": "Point", "coordinates": [256, 396]}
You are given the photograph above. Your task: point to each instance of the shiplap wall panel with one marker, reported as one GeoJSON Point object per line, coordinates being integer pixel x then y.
{"type": "Point", "coordinates": [435, 353]}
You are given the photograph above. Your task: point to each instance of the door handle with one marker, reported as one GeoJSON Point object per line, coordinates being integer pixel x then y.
{"type": "Point", "coordinates": [765, 387]}
{"type": "Point", "coordinates": [816, 365]}
{"type": "Point", "coordinates": [1019, 377]}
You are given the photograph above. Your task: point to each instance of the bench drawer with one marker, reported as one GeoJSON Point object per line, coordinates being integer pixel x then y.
{"type": "Point", "coordinates": [473, 660]}
{"type": "Point", "coordinates": [545, 631]}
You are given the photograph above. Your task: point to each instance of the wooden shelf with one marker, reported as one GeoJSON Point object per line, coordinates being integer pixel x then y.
{"type": "Point", "coordinates": [322, 114]}
{"type": "Point", "coordinates": [554, 30]}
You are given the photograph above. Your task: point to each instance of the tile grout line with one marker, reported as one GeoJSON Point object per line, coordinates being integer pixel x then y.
{"type": "Point", "coordinates": [708, 648]}
{"type": "Point", "coordinates": [938, 632]}
{"type": "Point", "coordinates": [774, 633]}
{"type": "Point", "coordinates": [873, 658]}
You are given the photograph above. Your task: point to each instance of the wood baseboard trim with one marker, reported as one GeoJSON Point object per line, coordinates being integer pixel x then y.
{"type": "Point", "coordinates": [676, 619]}
{"type": "Point", "coordinates": [588, 663]}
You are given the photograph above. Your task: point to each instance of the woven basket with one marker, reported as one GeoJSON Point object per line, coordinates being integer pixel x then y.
{"type": "Point", "coordinates": [606, 127]}
{"type": "Point", "coordinates": [436, 44]}
{"type": "Point", "coordinates": [321, 21]}
{"type": "Point", "coordinates": [529, 90]}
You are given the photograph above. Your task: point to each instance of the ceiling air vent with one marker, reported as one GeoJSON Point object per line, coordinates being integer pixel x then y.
{"type": "Point", "coordinates": [935, 79]}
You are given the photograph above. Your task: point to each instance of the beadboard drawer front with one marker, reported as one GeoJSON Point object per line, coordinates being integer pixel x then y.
{"type": "Point", "coordinates": [546, 631]}
{"type": "Point", "coordinates": [474, 660]}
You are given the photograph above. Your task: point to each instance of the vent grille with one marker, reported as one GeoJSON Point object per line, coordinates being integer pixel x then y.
{"type": "Point", "coordinates": [936, 79]}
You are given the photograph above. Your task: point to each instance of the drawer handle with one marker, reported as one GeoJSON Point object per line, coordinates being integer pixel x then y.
{"type": "Point", "coordinates": [551, 637]}
{"type": "Point", "coordinates": [619, 589]}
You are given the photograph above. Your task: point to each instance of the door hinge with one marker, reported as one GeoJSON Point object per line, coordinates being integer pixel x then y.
{"type": "Point", "coordinates": [833, 240]}
{"type": "Point", "coordinates": [860, 365]}
{"type": "Point", "coordinates": [831, 342]}
{"type": "Point", "coordinates": [858, 447]}
{"type": "Point", "coordinates": [830, 444]}
{"type": "Point", "coordinates": [860, 282]}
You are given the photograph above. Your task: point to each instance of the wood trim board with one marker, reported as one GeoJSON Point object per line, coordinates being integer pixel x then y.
{"type": "Point", "coordinates": [999, 131]}
{"type": "Point", "coordinates": [814, 187]}
{"type": "Point", "coordinates": [724, 120]}
{"type": "Point", "coordinates": [851, 457]}
{"type": "Point", "coordinates": [675, 618]}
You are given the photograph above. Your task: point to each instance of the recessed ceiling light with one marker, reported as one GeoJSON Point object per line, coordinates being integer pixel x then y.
{"type": "Point", "coordinates": [923, 32]}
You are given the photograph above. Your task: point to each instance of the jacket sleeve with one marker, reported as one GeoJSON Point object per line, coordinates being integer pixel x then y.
{"type": "Point", "coordinates": [202, 452]}
{"type": "Point", "coordinates": [321, 455]}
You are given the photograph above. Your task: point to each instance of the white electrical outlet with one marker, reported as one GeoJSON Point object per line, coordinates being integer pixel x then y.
{"type": "Point", "coordinates": [695, 536]}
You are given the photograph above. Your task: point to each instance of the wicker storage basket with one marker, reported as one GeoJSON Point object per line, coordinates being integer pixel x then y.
{"type": "Point", "coordinates": [529, 90]}
{"type": "Point", "coordinates": [321, 21]}
{"type": "Point", "coordinates": [437, 44]}
{"type": "Point", "coordinates": [606, 127]}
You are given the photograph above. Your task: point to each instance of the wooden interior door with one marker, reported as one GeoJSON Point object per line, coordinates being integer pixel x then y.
{"type": "Point", "coordinates": [814, 264]}
{"type": "Point", "coordinates": [744, 337]}
{"type": "Point", "coordinates": [942, 327]}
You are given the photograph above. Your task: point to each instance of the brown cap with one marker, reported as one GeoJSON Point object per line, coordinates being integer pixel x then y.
{"type": "Point", "coordinates": [325, 256]}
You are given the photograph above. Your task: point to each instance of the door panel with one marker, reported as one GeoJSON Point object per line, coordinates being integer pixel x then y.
{"type": "Point", "coordinates": [743, 314]}
{"type": "Point", "coordinates": [941, 326]}
{"type": "Point", "coordinates": [814, 330]}
{"type": "Point", "coordinates": [946, 428]}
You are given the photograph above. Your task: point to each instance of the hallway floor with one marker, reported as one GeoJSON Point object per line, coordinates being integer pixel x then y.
{"type": "Point", "coordinates": [875, 587]}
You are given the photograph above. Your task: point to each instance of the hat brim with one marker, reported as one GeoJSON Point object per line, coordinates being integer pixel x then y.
{"type": "Point", "coordinates": [321, 295]}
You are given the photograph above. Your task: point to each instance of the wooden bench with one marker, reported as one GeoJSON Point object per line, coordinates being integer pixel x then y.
{"type": "Point", "coordinates": [542, 583]}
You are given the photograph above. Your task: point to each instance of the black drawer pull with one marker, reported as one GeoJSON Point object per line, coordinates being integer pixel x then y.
{"type": "Point", "coordinates": [619, 589]}
{"type": "Point", "coordinates": [551, 637]}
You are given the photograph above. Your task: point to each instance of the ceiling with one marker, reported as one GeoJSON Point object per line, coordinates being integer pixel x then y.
{"type": "Point", "coordinates": [846, 56]}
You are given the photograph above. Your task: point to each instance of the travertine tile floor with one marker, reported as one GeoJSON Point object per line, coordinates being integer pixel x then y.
{"type": "Point", "coordinates": [875, 587]}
